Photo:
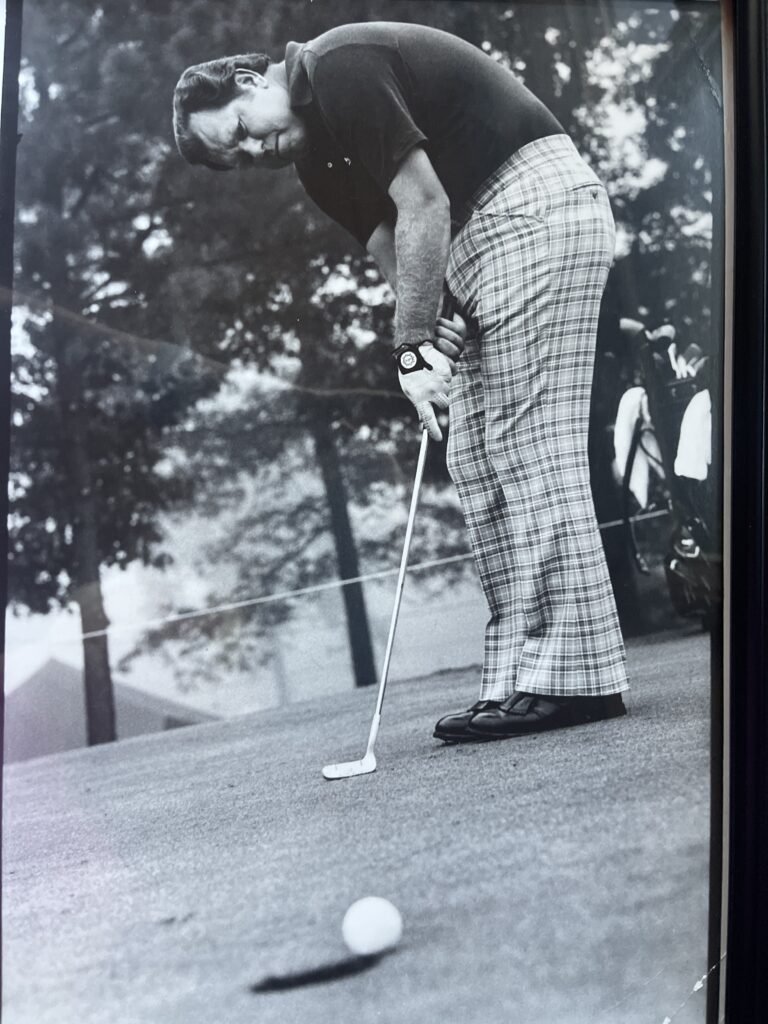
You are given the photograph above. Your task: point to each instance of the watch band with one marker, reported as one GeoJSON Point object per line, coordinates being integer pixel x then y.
{"type": "Point", "coordinates": [409, 357]}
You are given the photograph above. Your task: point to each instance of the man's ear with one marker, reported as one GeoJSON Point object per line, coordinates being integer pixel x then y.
{"type": "Point", "coordinates": [245, 78]}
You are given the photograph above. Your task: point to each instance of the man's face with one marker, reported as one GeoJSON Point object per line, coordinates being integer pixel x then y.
{"type": "Point", "coordinates": [255, 129]}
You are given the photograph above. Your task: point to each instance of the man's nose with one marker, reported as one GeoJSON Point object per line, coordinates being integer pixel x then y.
{"type": "Point", "coordinates": [254, 148]}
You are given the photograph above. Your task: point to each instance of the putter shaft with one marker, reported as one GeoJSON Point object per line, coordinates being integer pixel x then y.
{"type": "Point", "coordinates": [347, 769]}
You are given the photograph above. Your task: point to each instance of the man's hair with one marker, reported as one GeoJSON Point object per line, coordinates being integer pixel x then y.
{"type": "Point", "coordinates": [207, 87]}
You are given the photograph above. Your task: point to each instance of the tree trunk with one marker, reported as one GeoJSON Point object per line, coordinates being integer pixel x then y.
{"type": "Point", "coordinates": [99, 695]}
{"type": "Point", "coordinates": [346, 552]}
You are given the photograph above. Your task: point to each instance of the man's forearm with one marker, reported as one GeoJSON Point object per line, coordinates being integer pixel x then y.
{"type": "Point", "coordinates": [422, 242]}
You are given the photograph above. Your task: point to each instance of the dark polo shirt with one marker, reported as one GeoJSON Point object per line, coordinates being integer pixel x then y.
{"type": "Point", "coordinates": [370, 93]}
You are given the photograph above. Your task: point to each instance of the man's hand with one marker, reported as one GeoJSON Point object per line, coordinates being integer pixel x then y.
{"type": "Point", "coordinates": [425, 377]}
{"type": "Point", "coordinates": [450, 336]}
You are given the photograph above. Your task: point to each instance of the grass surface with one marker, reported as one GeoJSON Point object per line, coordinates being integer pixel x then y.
{"type": "Point", "coordinates": [558, 879]}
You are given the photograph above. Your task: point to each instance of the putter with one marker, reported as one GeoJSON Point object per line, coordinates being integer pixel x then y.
{"type": "Point", "coordinates": [348, 769]}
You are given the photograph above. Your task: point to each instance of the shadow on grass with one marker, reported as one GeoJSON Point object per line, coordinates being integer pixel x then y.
{"type": "Point", "coordinates": [317, 975]}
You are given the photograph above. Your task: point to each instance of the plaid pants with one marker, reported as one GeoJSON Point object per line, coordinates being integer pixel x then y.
{"type": "Point", "coordinates": [529, 266]}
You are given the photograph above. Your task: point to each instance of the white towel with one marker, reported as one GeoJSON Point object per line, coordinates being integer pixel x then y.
{"type": "Point", "coordinates": [634, 404]}
{"type": "Point", "coordinates": [694, 449]}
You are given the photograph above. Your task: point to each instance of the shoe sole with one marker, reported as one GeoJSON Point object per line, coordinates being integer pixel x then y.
{"type": "Point", "coordinates": [545, 728]}
{"type": "Point", "coordinates": [466, 738]}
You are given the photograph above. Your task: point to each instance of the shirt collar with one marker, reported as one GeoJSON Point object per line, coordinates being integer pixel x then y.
{"type": "Point", "coordinates": [299, 88]}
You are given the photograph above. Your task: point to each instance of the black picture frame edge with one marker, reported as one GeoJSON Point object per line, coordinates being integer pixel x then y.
{"type": "Point", "coordinates": [745, 997]}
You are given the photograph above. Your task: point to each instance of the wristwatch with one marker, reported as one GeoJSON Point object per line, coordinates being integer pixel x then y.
{"type": "Point", "coordinates": [409, 358]}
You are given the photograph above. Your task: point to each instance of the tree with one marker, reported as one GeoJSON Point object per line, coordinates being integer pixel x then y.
{"type": "Point", "coordinates": [93, 392]}
{"type": "Point", "coordinates": [307, 445]}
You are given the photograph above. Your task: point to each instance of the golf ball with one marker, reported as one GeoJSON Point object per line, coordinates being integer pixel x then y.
{"type": "Point", "coordinates": [371, 925]}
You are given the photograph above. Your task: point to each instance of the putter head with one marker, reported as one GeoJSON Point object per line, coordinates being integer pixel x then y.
{"type": "Point", "coordinates": [348, 769]}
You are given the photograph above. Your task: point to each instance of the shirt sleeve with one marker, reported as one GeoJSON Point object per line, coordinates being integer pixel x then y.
{"type": "Point", "coordinates": [360, 91]}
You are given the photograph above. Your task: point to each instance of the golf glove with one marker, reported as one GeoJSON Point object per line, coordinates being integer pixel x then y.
{"type": "Point", "coordinates": [425, 377]}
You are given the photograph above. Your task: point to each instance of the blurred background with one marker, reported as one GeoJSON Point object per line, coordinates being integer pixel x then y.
{"type": "Point", "coordinates": [208, 438]}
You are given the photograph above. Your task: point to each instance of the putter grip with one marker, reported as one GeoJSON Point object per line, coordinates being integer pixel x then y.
{"type": "Point", "coordinates": [450, 304]}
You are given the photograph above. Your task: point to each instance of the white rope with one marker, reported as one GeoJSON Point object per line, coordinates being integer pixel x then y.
{"type": "Point", "coordinates": [267, 598]}
{"type": "Point", "coordinates": [316, 588]}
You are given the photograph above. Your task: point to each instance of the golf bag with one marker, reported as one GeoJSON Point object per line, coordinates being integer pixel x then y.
{"type": "Point", "coordinates": [671, 437]}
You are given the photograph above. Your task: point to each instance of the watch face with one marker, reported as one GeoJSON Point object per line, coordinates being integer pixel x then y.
{"type": "Point", "coordinates": [408, 360]}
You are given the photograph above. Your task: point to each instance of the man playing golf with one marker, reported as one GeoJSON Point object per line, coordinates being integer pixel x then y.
{"type": "Point", "coordinates": [454, 176]}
